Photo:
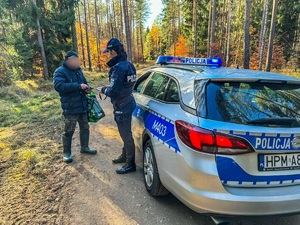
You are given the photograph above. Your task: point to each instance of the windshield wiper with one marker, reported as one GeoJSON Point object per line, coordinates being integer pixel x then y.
{"type": "Point", "coordinates": [275, 121]}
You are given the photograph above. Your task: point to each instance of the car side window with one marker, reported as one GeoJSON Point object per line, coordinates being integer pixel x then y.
{"type": "Point", "coordinates": [172, 94]}
{"type": "Point", "coordinates": [141, 83]}
{"type": "Point", "coordinates": [156, 86]}
{"type": "Point", "coordinates": [160, 94]}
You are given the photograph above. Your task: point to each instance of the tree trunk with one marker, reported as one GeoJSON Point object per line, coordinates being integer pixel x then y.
{"type": "Point", "coordinates": [194, 27]}
{"type": "Point", "coordinates": [213, 26]}
{"type": "Point", "coordinates": [81, 38]}
{"type": "Point", "coordinates": [262, 38]}
{"type": "Point", "coordinates": [121, 21]}
{"type": "Point", "coordinates": [41, 43]}
{"type": "Point", "coordinates": [117, 31]}
{"type": "Point", "coordinates": [87, 35]}
{"type": "Point", "coordinates": [222, 27]}
{"type": "Point", "coordinates": [174, 35]}
{"type": "Point", "coordinates": [108, 20]}
{"type": "Point", "coordinates": [208, 29]}
{"type": "Point", "coordinates": [179, 18]}
{"type": "Point", "coordinates": [131, 25]}
{"type": "Point", "coordinates": [97, 33]}
{"type": "Point", "coordinates": [237, 40]}
{"type": "Point", "coordinates": [132, 34]}
{"type": "Point", "coordinates": [127, 30]}
{"type": "Point", "coordinates": [142, 42]}
{"type": "Point", "coordinates": [137, 45]}
{"type": "Point", "coordinates": [271, 37]}
{"type": "Point", "coordinates": [74, 35]}
{"type": "Point", "coordinates": [89, 15]}
{"type": "Point", "coordinates": [247, 35]}
{"type": "Point", "coordinates": [228, 33]}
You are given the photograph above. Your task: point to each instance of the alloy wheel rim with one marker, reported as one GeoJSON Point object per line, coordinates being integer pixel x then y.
{"type": "Point", "coordinates": [148, 167]}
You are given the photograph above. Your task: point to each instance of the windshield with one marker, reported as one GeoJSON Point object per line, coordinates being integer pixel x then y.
{"type": "Point", "coordinates": [260, 104]}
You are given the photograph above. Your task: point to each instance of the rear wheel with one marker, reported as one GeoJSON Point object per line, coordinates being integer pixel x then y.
{"type": "Point", "coordinates": [151, 175]}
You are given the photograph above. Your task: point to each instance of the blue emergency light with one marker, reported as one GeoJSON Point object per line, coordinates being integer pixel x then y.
{"type": "Point", "coordinates": [165, 60]}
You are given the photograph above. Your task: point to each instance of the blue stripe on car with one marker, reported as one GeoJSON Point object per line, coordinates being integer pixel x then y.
{"type": "Point", "coordinates": [230, 171]}
{"type": "Point", "coordinates": [160, 127]}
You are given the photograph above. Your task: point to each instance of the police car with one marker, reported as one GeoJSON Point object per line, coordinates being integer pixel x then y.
{"type": "Point", "coordinates": [222, 140]}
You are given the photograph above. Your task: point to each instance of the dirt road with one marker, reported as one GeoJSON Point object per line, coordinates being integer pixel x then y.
{"type": "Point", "coordinates": [95, 195]}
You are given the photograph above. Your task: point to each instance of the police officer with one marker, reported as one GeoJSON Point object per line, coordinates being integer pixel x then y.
{"type": "Point", "coordinates": [72, 87]}
{"type": "Point", "coordinates": [122, 76]}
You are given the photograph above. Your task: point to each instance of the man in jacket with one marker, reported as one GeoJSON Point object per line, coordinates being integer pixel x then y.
{"type": "Point", "coordinates": [72, 87]}
{"type": "Point", "coordinates": [122, 76]}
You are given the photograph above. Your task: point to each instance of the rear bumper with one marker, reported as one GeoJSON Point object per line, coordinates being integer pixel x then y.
{"type": "Point", "coordinates": [235, 205]}
{"type": "Point", "coordinates": [194, 179]}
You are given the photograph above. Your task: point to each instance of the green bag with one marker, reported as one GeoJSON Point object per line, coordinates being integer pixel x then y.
{"type": "Point", "coordinates": [95, 111]}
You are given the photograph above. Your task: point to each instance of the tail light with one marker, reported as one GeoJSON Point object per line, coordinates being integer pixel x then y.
{"type": "Point", "coordinates": [211, 142]}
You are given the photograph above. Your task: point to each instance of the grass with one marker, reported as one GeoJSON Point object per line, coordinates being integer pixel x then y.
{"type": "Point", "coordinates": [31, 125]}
{"type": "Point", "coordinates": [30, 129]}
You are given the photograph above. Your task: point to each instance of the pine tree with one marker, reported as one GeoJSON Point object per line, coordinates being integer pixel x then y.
{"type": "Point", "coordinates": [141, 13]}
{"type": "Point", "coordinates": [85, 2]}
{"type": "Point", "coordinates": [271, 37]}
{"type": "Point", "coordinates": [247, 35]}
{"type": "Point", "coordinates": [127, 30]}
{"type": "Point", "coordinates": [262, 37]}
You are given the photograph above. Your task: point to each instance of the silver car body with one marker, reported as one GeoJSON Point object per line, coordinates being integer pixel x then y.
{"type": "Point", "coordinates": [214, 183]}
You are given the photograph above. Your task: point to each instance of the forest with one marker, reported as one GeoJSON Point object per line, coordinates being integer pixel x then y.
{"type": "Point", "coordinates": [36, 186]}
{"type": "Point", "coordinates": [255, 34]}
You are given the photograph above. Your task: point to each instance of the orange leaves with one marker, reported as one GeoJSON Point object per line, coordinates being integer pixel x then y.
{"type": "Point", "coordinates": [278, 60]}
{"type": "Point", "coordinates": [82, 47]}
{"type": "Point", "coordinates": [152, 44]}
{"type": "Point", "coordinates": [181, 48]}
{"type": "Point", "coordinates": [155, 33]}
{"type": "Point", "coordinates": [104, 58]}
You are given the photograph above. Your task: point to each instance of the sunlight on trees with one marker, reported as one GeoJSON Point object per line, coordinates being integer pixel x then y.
{"type": "Point", "coordinates": [184, 27]}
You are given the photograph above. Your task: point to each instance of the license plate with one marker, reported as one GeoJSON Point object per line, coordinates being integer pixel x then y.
{"type": "Point", "coordinates": [275, 162]}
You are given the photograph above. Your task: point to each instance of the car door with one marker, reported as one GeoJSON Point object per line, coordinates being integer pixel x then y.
{"type": "Point", "coordinates": [149, 87]}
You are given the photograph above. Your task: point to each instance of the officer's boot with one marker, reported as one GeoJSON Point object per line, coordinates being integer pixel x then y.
{"type": "Point", "coordinates": [84, 142]}
{"type": "Point", "coordinates": [127, 168]}
{"type": "Point", "coordinates": [121, 158]}
{"type": "Point", "coordinates": [67, 142]}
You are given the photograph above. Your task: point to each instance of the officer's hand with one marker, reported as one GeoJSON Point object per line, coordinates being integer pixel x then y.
{"type": "Point", "coordinates": [84, 86]}
{"type": "Point", "coordinates": [100, 90]}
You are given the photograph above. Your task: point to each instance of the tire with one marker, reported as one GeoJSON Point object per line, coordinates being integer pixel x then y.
{"type": "Point", "coordinates": [151, 175]}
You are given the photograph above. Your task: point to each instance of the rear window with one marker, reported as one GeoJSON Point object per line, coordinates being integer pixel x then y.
{"type": "Point", "coordinates": [261, 104]}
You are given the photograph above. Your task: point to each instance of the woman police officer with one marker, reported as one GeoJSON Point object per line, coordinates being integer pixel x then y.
{"type": "Point", "coordinates": [122, 77]}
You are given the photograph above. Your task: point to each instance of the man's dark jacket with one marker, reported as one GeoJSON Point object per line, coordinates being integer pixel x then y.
{"type": "Point", "coordinates": [67, 83]}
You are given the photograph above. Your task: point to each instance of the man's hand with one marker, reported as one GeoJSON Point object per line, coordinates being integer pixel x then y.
{"type": "Point", "coordinates": [88, 91]}
{"type": "Point", "coordinates": [84, 86]}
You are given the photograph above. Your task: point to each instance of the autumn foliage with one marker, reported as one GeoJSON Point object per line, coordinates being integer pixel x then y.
{"type": "Point", "coordinates": [99, 62]}
{"type": "Point", "coordinates": [278, 60]}
{"type": "Point", "coordinates": [180, 48]}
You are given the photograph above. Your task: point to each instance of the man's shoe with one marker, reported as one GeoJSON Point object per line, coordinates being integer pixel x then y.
{"type": "Point", "coordinates": [121, 158]}
{"type": "Point", "coordinates": [84, 142]}
{"type": "Point", "coordinates": [127, 168]}
{"type": "Point", "coordinates": [68, 158]}
{"type": "Point", "coordinates": [88, 151]}
{"type": "Point", "coordinates": [67, 142]}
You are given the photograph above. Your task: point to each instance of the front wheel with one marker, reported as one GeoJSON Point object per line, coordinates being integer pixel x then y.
{"type": "Point", "coordinates": [151, 175]}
